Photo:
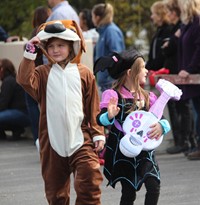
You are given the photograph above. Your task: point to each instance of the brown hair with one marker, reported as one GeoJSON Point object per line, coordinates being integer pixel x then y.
{"type": "Point", "coordinates": [7, 68]}
{"type": "Point", "coordinates": [40, 16]}
{"type": "Point", "coordinates": [172, 5]}
{"type": "Point", "coordinates": [139, 91]}
{"type": "Point", "coordinates": [105, 12]}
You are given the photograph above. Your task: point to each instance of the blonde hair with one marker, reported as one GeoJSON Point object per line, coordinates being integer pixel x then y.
{"type": "Point", "coordinates": [189, 9]}
{"type": "Point", "coordinates": [105, 12]}
{"type": "Point", "coordinates": [160, 9]}
{"type": "Point", "coordinates": [140, 93]}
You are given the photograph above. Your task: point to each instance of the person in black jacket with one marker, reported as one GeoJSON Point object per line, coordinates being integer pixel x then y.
{"type": "Point", "coordinates": [156, 59]}
{"type": "Point", "coordinates": [13, 112]}
{"type": "Point", "coordinates": [180, 111]}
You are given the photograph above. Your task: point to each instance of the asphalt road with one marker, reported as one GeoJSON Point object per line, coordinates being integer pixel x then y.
{"type": "Point", "coordinates": [21, 182]}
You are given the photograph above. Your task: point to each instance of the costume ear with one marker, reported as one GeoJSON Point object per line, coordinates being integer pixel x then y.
{"type": "Point", "coordinates": [103, 63]}
{"type": "Point", "coordinates": [112, 63]}
{"type": "Point", "coordinates": [80, 34]}
{"type": "Point", "coordinates": [106, 62]}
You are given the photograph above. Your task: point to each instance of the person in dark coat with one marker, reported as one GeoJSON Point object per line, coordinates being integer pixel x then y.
{"type": "Point", "coordinates": [184, 136]}
{"type": "Point", "coordinates": [13, 112]}
{"type": "Point", "coordinates": [189, 59]}
{"type": "Point", "coordinates": [156, 59]}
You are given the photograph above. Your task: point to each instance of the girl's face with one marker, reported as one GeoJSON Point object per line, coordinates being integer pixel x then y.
{"type": "Point", "coordinates": [58, 49]}
{"type": "Point", "coordinates": [143, 73]}
{"type": "Point", "coordinates": [131, 75]}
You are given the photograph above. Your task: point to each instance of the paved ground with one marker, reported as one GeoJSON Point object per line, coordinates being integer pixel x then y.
{"type": "Point", "coordinates": [21, 182]}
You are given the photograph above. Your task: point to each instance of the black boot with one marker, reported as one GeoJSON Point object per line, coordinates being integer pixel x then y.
{"type": "Point", "coordinates": [128, 194]}
{"type": "Point", "coordinates": [153, 191]}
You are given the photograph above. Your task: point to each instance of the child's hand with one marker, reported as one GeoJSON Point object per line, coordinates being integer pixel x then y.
{"type": "Point", "coordinates": [156, 131]}
{"type": "Point", "coordinates": [31, 46]}
{"type": "Point", "coordinates": [99, 145]}
{"type": "Point", "coordinates": [35, 40]}
{"type": "Point", "coordinates": [113, 110]}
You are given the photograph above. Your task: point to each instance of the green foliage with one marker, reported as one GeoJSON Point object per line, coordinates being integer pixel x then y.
{"type": "Point", "coordinates": [16, 16]}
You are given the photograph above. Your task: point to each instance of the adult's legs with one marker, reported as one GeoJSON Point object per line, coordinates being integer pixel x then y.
{"type": "Point", "coordinates": [175, 124]}
{"type": "Point", "coordinates": [185, 110]}
{"type": "Point", "coordinates": [153, 191]}
{"type": "Point", "coordinates": [13, 120]}
{"type": "Point", "coordinates": [34, 114]}
{"type": "Point", "coordinates": [175, 120]}
{"type": "Point", "coordinates": [128, 194]}
{"type": "Point", "coordinates": [196, 154]}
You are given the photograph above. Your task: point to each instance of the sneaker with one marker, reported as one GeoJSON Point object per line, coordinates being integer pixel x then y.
{"type": "Point", "coordinates": [194, 155]}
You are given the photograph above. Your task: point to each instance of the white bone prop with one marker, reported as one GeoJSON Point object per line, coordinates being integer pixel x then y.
{"type": "Point", "coordinates": [137, 123]}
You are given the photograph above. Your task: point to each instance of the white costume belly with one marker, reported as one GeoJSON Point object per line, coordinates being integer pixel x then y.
{"type": "Point", "coordinates": [64, 109]}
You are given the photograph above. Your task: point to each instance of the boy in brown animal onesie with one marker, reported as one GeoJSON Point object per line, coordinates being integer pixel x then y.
{"type": "Point", "coordinates": [69, 136]}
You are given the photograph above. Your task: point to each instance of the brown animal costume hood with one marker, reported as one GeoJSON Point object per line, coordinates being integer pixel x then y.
{"type": "Point", "coordinates": [64, 29]}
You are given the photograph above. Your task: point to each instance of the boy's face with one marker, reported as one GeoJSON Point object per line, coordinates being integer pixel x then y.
{"type": "Point", "coordinates": [58, 49]}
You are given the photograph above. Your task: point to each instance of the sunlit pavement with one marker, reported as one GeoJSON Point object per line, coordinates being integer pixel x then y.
{"type": "Point", "coordinates": [21, 182]}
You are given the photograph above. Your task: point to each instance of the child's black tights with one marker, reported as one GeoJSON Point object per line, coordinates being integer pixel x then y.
{"type": "Point", "coordinates": [151, 198]}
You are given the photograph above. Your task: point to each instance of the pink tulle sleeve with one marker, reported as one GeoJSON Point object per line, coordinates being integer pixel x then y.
{"type": "Point", "coordinates": [152, 98]}
{"type": "Point", "coordinates": [106, 95]}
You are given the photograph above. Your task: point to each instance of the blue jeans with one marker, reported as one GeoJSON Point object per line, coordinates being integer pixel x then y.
{"type": "Point", "coordinates": [34, 114]}
{"type": "Point", "coordinates": [13, 119]}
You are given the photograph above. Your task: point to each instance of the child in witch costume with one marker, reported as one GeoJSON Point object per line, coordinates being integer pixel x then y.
{"type": "Point", "coordinates": [66, 91]}
{"type": "Point", "coordinates": [127, 95]}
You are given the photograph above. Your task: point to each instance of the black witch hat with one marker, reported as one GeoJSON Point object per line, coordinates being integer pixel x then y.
{"type": "Point", "coordinates": [117, 63]}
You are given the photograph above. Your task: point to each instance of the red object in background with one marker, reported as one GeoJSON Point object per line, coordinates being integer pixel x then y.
{"type": "Point", "coordinates": [153, 73]}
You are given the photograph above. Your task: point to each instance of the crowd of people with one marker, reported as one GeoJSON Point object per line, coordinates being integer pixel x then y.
{"type": "Point", "coordinates": [51, 79]}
